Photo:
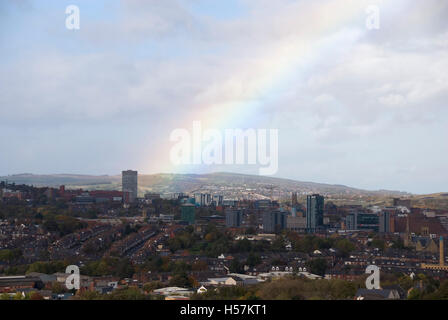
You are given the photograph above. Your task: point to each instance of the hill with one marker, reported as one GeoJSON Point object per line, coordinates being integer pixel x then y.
{"type": "Point", "coordinates": [229, 184]}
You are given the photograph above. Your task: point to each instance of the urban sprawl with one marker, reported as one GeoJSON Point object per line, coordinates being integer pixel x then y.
{"type": "Point", "coordinates": [204, 245]}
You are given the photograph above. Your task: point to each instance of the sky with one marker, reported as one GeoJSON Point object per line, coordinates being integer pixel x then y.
{"type": "Point", "coordinates": [352, 105]}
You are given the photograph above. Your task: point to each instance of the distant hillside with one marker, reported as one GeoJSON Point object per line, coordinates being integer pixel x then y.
{"type": "Point", "coordinates": [54, 180]}
{"type": "Point", "coordinates": [166, 183]}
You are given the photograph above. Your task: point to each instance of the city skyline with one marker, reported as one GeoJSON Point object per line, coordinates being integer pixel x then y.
{"type": "Point", "coordinates": [353, 106]}
{"type": "Point", "coordinates": [223, 154]}
{"type": "Point", "coordinates": [213, 178]}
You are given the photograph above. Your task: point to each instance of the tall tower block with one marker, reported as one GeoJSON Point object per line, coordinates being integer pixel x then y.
{"type": "Point", "coordinates": [129, 184]}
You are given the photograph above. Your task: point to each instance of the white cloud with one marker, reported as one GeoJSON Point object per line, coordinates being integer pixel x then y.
{"type": "Point", "coordinates": [311, 66]}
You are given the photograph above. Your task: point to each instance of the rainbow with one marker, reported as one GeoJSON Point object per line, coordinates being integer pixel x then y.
{"type": "Point", "coordinates": [272, 69]}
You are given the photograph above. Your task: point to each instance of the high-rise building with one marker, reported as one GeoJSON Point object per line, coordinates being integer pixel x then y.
{"type": "Point", "coordinates": [314, 212]}
{"type": "Point", "coordinates": [263, 204]}
{"type": "Point", "coordinates": [129, 185]}
{"type": "Point", "coordinates": [295, 223]}
{"type": "Point", "coordinates": [188, 213]}
{"type": "Point", "coordinates": [233, 218]}
{"type": "Point", "coordinates": [203, 199]}
{"type": "Point", "coordinates": [217, 199]}
{"type": "Point", "coordinates": [385, 222]}
{"type": "Point", "coordinates": [367, 221]}
{"type": "Point", "coordinates": [179, 196]}
{"type": "Point", "coordinates": [198, 198]}
{"type": "Point", "coordinates": [293, 211]}
{"type": "Point", "coordinates": [274, 221]}
{"type": "Point", "coordinates": [294, 201]}
{"type": "Point", "coordinates": [350, 221]}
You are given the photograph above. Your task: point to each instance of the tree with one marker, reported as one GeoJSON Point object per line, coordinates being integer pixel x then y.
{"type": "Point", "coordinates": [7, 255]}
{"type": "Point", "coordinates": [398, 244]}
{"type": "Point", "coordinates": [150, 286]}
{"type": "Point", "coordinates": [345, 247]}
{"type": "Point", "coordinates": [243, 245]}
{"type": "Point", "coordinates": [90, 295]}
{"type": "Point", "coordinates": [18, 296]}
{"type": "Point", "coordinates": [250, 230]}
{"type": "Point", "coordinates": [341, 289]}
{"type": "Point", "coordinates": [405, 282]}
{"type": "Point", "coordinates": [57, 287]}
{"type": "Point", "coordinates": [378, 243]}
{"type": "Point", "coordinates": [180, 267]}
{"type": "Point", "coordinates": [236, 266]}
{"type": "Point", "coordinates": [440, 294]}
{"type": "Point", "coordinates": [278, 245]}
{"type": "Point", "coordinates": [317, 266]}
{"type": "Point", "coordinates": [127, 294]}
{"type": "Point", "coordinates": [253, 260]}
{"type": "Point", "coordinates": [47, 267]}
{"type": "Point", "coordinates": [199, 266]}
{"type": "Point", "coordinates": [36, 296]}
{"type": "Point", "coordinates": [5, 296]}
{"type": "Point", "coordinates": [414, 294]}
{"type": "Point", "coordinates": [304, 244]}
{"type": "Point", "coordinates": [181, 280]}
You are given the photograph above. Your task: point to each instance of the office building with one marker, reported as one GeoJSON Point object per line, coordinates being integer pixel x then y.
{"type": "Point", "coordinates": [294, 211]}
{"type": "Point", "coordinates": [350, 221]}
{"type": "Point", "coordinates": [263, 204]}
{"type": "Point", "coordinates": [217, 199]}
{"type": "Point", "coordinates": [274, 221]}
{"type": "Point", "coordinates": [203, 199]}
{"type": "Point", "coordinates": [295, 223]}
{"type": "Point", "coordinates": [180, 196]}
{"type": "Point", "coordinates": [129, 185]}
{"type": "Point", "coordinates": [233, 218]}
{"type": "Point", "coordinates": [365, 221]}
{"type": "Point", "coordinates": [188, 213]}
{"type": "Point", "coordinates": [294, 201]}
{"type": "Point", "coordinates": [314, 212]}
{"type": "Point", "coordinates": [386, 222]}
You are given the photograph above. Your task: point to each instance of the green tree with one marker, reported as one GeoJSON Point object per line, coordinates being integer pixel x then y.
{"type": "Point", "coordinates": [317, 266]}
{"type": "Point", "coordinates": [90, 295]}
{"type": "Point", "coordinates": [127, 294]}
{"type": "Point", "coordinates": [345, 247]}
{"type": "Point", "coordinates": [18, 296]}
{"type": "Point", "coordinates": [414, 294]}
{"type": "Point", "coordinates": [5, 296]}
{"type": "Point", "coordinates": [150, 286]}
{"type": "Point", "coordinates": [181, 280]}
{"type": "Point", "coordinates": [236, 266]}
{"type": "Point", "coordinates": [378, 243]}
{"type": "Point", "coordinates": [253, 260]}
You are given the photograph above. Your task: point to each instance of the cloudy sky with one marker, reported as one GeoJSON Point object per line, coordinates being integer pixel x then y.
{"type": "Point", "coordinates": [356, 106]}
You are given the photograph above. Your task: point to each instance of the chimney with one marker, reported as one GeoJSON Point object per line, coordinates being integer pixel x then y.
{"type": "Point", "coordinates": [441, 249]}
